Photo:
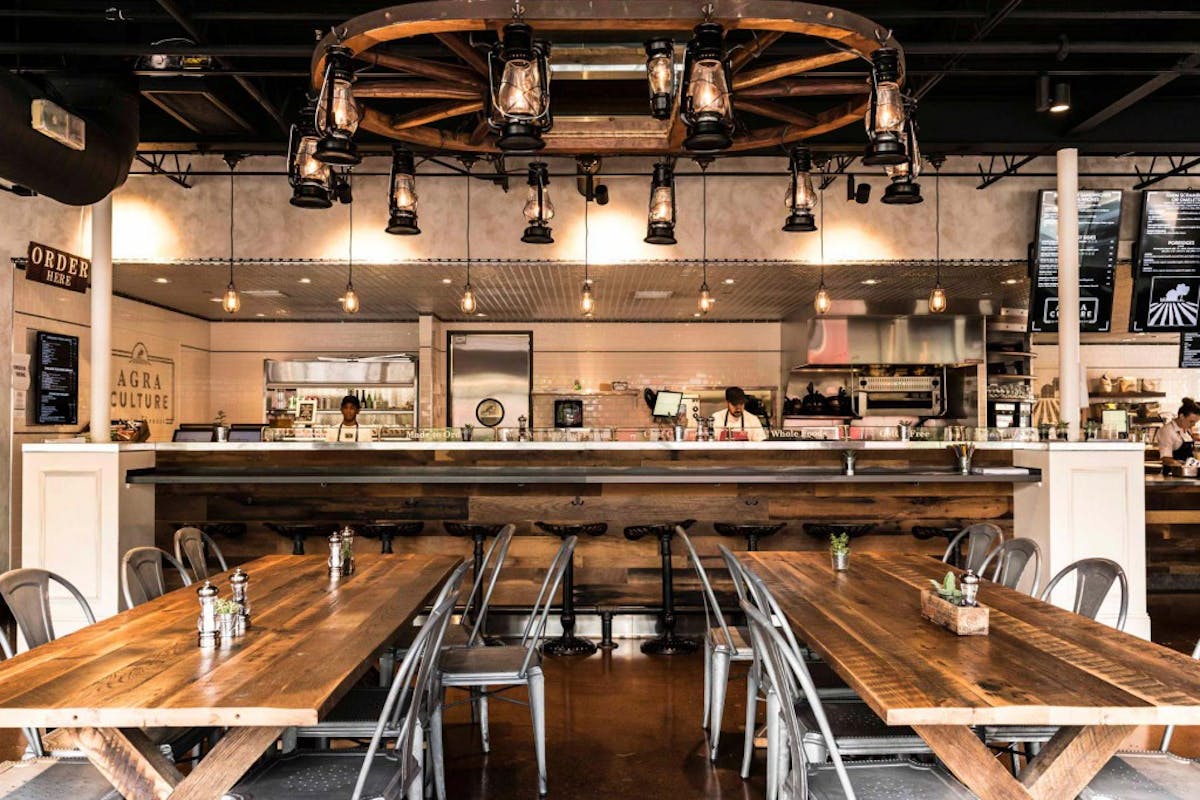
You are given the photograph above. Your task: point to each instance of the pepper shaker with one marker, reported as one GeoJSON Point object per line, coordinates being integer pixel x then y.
{"type": "Point", "coordinates": [239, 582]}
{"type": "Point", "coordinates": [969, 585]}
{"type": "Point", "coordinates": [336, 564]}
{"type": "Point", "coordinates": [348, 563]}
{"type": "Point", "coordinates": [209, 637]}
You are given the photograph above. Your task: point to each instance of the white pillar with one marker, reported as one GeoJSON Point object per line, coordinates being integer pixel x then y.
{"type": "Point", "coordinates": [1068, 288]}
{"type": "Point", "coordinates": [101, 351]}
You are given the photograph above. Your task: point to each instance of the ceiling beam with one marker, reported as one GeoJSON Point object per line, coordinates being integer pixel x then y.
{"type": "Point", "coordinates": [423, 68]}
{"type": "Point", "coordinates": [435, 112]}
{"type": "Point", "coordinates": [785, 68]}
{"type": "Point", "coordinates": [1130, 98]}
{"type": "Point", "coordinates": [805, 87]}
{"type": "Point", "coordinates": [776, 111]}
{"type": "Point", "coordinates": [980, 33]}
{"type": "Point", "coordinates": [461, 47]}
{"type": "Point", "coordinates": [413, 90]}
{"type": "Point", "coordinates": [753, 49]}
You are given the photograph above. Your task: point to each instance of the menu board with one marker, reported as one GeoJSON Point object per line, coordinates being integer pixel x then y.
{"type": "Point", "coordinates": [57, 395]}
{"type": "Point", "coordinates": [1099, 227]}
{"type": "Point", "coordinates": [1166, 290]}
{"type": "Point", "coordinates": [1189, 350]}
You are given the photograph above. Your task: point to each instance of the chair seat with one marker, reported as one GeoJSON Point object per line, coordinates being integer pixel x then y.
{"type": "Point", "coordinates": [477, 666]}
{"type": "Point", "coordinates": [54, 779]}
{"type": "Point", "coordinates": [1137, 775]}
{"type": "Point", "coordinates": [886, 780]}
{"type": "Point", "coordinates": [859, 732]}
{"type": "Point", "coordinates": [739, 649]}
{"type": "Point", "coordinates": [1039, 734]}
{"type": "Point", "coordinates": [314, 776]}
{"type": "Point", "coordinates": [354, 717]}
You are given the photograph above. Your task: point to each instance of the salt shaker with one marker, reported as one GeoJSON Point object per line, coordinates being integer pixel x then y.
{"type": "Point", "coordinates": [336, 564]}
{"type": "Point", "coordinates": [969, 585]}
{"type": "Point", "coordinates": [348, 550]}
{"type": "Point", "coordinates": [209, 637]}
{"type": "Point", "coordinates": [239, 583]}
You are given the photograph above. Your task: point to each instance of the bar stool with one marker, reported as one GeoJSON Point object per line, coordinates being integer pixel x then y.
{"type": "Point", "coordinates": [667, 644]}
{"type": "Point", "coordinates": [230, 530]}
{"type": "Point", "coordinates": [752, 533]}
{"type": "Point", "coordinates": [298, 533]}
{"type": "Point", "coordinates": [385, 532]}
{"type": "Point", "coordinates": [478, 533]}
{"type": "Point", "coordinates": [569, 644]}
{"type": "Point", "coordinates": [823, 530]}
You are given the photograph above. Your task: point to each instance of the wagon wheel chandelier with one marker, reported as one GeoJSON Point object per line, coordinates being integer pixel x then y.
{"type": "Point", "coordinates": [551, 77]}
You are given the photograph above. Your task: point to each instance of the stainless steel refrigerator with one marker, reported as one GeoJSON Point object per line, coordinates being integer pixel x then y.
{"type": "Point", "coordinates": [490, 379]}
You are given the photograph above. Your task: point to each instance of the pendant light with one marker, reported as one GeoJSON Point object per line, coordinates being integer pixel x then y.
{"type": "Point", "coordinates": [660, 76]}
{"type": "Point", "coordinates": [706, 104]}
{"type": "Point", "coordinates": [402, 197]}
{"type": "Point", "coordinates": [937, 298]}
{"type": "Point", "coordinates": [232, 301]}
{"type": "Point", "coordinates": [587, 300]}
{"type": "Point", "coordinates": [660, 224]}
{"type": "Point", "coordinates": [800, 197]}
{"type": "Point", "coordinates": [311, 179]}
{"type": "Point", "coordinates": [519, 87]}
{"type": "Point", "coordinates": [885, 117]}
{"type": "Point", "coordinates": [337, 114]}
{"type": "Point", "coordinates": [823, 302]}
{"type": "Point", "coordinates": [904, 189]}
{"type": "Point", "coordinates": [350, 300]}
{"type": "Point", "coordinates": [704, 301]}
{"type": "Point", "coordinates": [538, 208]}
{"type": "Point", "coordinates": [466, 303]}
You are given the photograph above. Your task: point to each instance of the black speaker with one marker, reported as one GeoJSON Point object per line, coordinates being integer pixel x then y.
{"type": "Point", "coordinates": [862, 195]}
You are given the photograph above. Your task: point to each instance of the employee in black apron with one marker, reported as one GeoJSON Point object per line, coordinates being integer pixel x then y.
{"type": "Point", "coordinates": [348, 430]}
{"type": "Point", "coordinates": [1175, 442]}
{"type": "Point", "coordinates": [734, 422]}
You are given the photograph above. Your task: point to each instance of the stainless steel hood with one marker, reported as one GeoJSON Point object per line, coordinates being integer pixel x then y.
{"type": "Point", "coordinates": [939, 340]}
{"type": "Point", "coordinates": [377, 370]}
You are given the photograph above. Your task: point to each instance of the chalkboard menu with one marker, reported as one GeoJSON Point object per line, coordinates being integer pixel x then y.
{"type": "Point", "coordinates": [1189, 350]}
{"type": "Point", "coordinates": [57, 362]}
{"type": "Point", "coordinates": [1099, 228]}
{"type": "Point", "coordinates": [1166, 290]}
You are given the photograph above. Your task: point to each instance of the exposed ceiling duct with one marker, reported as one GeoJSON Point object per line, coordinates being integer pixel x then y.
{"type": "Point", "coordinates": [74, 177]}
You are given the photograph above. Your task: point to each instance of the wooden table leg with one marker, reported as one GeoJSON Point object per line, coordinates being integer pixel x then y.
{"type": "Point", "coordinates": [130, 761]}
{"type": "Point", "coordinates": [964, 754]}
{"type": "Point", "coordinates": [1071, 759]}
{"type": "Point", "coordinates": [231, 758]}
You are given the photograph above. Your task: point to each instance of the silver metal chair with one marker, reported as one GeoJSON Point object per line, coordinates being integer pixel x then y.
{"type": "Point", "coordinates": [478, 668]}
{"type": "Point", "coordinates": [794, 691]}
{"type": "Point", "coordinates": [1094, 578]}
{"type": "Point", "coordinates": [27, 593]}
{"type": "Point", "coordinates": [142, 578]}
{"type": "Point", "coordinates": [1011, 560]}
{"type": "Point", "coordinates": [723, 644]}
{"type": "Point", "coordinates": [980, 539]}
{"type": "Point", "coordinates": [399, 772]}
{"type": "Point", "coordinates": [195, 546]}
{"type": "Point", "coordinates": [471, 630]}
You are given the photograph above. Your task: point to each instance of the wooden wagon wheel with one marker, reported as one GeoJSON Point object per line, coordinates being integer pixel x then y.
{"type": "Point", "coordinates": [458, 90]}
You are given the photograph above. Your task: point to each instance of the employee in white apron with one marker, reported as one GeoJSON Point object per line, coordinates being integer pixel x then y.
{"type": "Point", "coordinates": [734, 422]}
{"type": "Point", "coordinates": [348, 430]}
{"type": "Point", "coordinates": [1175, 444]}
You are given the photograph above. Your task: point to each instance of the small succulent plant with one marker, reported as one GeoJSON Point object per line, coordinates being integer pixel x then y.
{"type": "Point", "coordinates": [948, 588]}
{"type": "Point", "coordinates": [839, 543]}
{"type": "Point", "coordinates": [226, 606]}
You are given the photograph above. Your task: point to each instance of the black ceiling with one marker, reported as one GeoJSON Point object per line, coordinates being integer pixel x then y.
{"type": "Point", "coordinates": [1134, 69]}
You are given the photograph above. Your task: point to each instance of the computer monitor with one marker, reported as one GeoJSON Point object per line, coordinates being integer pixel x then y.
{"type": "Point", "coordinates": [192, 435]}
{"type": "Point", "coordinates": [245, 433]}
{"type": "Point", "coordinates": [666, 403]}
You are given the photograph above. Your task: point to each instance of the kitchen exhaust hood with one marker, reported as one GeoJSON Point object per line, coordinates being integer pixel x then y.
{"type": "Point", "coordinates": [929, 340]}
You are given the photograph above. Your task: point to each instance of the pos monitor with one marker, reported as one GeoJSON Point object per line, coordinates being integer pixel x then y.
{"type": "Point", "coordinates": [667, 403]}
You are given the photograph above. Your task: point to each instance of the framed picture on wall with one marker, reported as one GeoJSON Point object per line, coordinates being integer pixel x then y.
{"type": "Point", "coordinates": [306, 412]}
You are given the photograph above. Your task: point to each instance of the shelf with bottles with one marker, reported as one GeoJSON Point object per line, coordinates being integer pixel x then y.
{"type": "Point", "coordinates": [383, 398]}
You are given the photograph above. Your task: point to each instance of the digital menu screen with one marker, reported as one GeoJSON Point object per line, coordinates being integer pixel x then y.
{"type": "Point", "coordinates": [1189, 350]}
{"type": "Point", "coordinates": [1166, 289]}
{"type": "Point", "coordinates": [56, 358]}
{"type": "Point", "coordinates": [1099, 230]}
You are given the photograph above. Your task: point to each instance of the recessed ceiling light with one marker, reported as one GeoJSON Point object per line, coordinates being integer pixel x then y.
{"type": "Point", "coordinates": [306, 280]}
{"type": "Point", "coordinates": [260, 314]}
{"type": "Point", "coordinates": [695, 313]}
{"type": "Point", "coordinates": [1012, 281]}
{"type": "Point", "coordinates": [728, 281]}
{"type": "Point", "coordinates": [214, 299]}
{"type": "Point", "coordinates": [162, 280]}
{"type": "Point", "coordinates": [447, 281]}
{"type": "Point", "coordinates": [870, 282]}
{"type": "Point", "coordinates": [652, 294]}
{"type": "Point", "coordinates": [480, 314]}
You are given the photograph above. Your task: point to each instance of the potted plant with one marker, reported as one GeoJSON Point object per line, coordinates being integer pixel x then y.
{"type": "Point", "coordinates": [948, 589]}
{"type": "Point", "coordinates": [227, 616]}
{"type": "Point", "coordinates": [220, 429]}
{"type": "Point", "coordinates": [839, 551]}
{"type": "Point", "coordinates": [944, 605]}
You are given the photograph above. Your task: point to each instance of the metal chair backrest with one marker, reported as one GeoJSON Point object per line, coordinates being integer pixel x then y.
{"type": "Point", "coordinates": [31, 734]}
{"type": "Point", "coordinates": [735, 571]}
{"type": "Point", "coordinates": [1011, 559]}
{"type": "Point", "coordinates": [1170, 729]}
{"type": "Point", "coordinates": [142, 578]}
{"type": "Point", "coordinates": [195, 546]}
{"type": "Point", "coordinates": [27, 593]}
{"type": "Point", "coordinates": [535, 627]}
{"type": "Point", "coordinates": [412, 681]}
{"type": "Point", "coordinates": [498, 548]}
{"type": "Point", "coordinates": [713, 616]}
{"type": "Point", "coordinates": [980, 538]}
{"type": "Point", "coordinates": [453, 583]}
{"type": "Point", "coordinates": [758, 595]}
{"type": "Point", "coordinates": [1094, 578]}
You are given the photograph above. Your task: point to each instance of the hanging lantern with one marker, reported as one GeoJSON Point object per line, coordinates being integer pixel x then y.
{"type": "Point", "coordinates": [519, 89]}
{"type": "Point", "coordinates": [402, 202]}
{"type": "Point", "coordinates": [311, 179]}
{"type": "Point", "coordinates": [538, 208]}
{"type": "Point", "coordinates": [660, 226]}
{"type": "Point", "coordinates": [822, 302]}
{"type": "Point", "coordinates": [337, 114]}
{"type": "Point", "coordinates": [801, 199]}
{"type": "Point", "coordinates": [885, 117]}
{"type": "Point", "coordinates": [937, 299]}
{"type": "Point", "coordinates": [706, 104]}
{"type": "Point", "coordinates": [587, 301]}
{"type": "Point", "coordinates": [904, 189]}
{"type": "Point", "coordinates": [660, 75]}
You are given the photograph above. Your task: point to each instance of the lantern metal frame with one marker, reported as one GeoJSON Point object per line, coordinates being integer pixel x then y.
{"type": "Point", "coordinates": [904, 189]}
{"type": "Point", "coordinates": [705, 132]}
{"type": "Point", "coordinates": [883, 146]}
{"type": "Point", "coordinates": [307, 192]}
{"type": "Point", "coordinates": [336, 145]}
{"type": "Point", "coordinates": [800, 165]}
{"type": "Point", "coordinates": [661, 103]}
{"type": "Point", "coordinates": [539, 231]}
{"type": "Point", "coordinates": [402, 221]}
{"type": "Point", "coordinates": [519, 133]}
{"type": "Point", "coordinates": [660, 231]}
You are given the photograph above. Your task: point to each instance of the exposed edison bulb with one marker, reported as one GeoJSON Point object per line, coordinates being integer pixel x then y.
{"type": "Point", "coordinates": [350, 301]}
{"type": "Point", "coordinates": [467, 303]}
{"type": "Point", "coordinates": [937, 299]}
{"type": "Point", "coordinates": [404, 192]}
{"type": "Point", "coordinates": [520, 92]}
{"type": "Point", "coordinates": [800, 195]}
{"type": "Point", "coordinates": [532, 208]}
{"type": "Point", "coordinates": [662, 204]}
{"type": "Point", "coordinates": [708, 90]}
{"type": "Point", "coordinates": [587, 301]}
{"type": "Point", "coordinates": [704, 303]}
{"type": "Point", "coordinates": [345, 108]}
{"type": "Point", "coordinates": [822, 302]}
{"type": "Point", "coordinates": [889, 108]}
{"type": "Point", "coordinates": [232, 301]}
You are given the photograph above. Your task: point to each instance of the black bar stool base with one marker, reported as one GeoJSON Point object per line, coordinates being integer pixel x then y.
{"type": "Point", "coordinates": [606, 638]}
{"type": "Point", "coordinates": [670, 645]}
{"type": "Point", "coordinates": [568, 646]}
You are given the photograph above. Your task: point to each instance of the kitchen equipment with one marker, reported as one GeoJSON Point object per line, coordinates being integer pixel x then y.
{"type": "Point", "coordinates": [1009, 414]}
{"type": "Point", "coordinates": [921, 395]}
{"type": "Point", "coordinates": [813, 402]}
{"type": "Point", "coordinates": [490, 366]}
{"type": "Point", "coordinates": [568, 413]}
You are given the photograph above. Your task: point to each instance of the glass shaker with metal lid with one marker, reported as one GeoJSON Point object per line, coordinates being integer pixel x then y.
{"type": "Point", "coordinates": [969, 585]}
{"type": "Point", "coordinates": [209, 637]}
{"type": "Point", "coordinates": [336, 563]}
{"type": "Point", "coordinates": [348, 563]}
{"type": "Point", "coordinates": [239, 582]}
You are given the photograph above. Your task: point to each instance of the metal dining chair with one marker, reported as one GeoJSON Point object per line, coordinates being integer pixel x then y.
{"type": "Point", "coordinates": [1011, 560]}
{"type": "Point", "coordinates": [1094, 578]}
{"type": "Point", "coordinates": [27, 593]}
{"type": "Point", "coordinates": [478, 668]}
{"type": "Point", "coordinates": [195, 546]}
{"type": "Point", "coordinates": [472, 627]}
{"type": "Point", "coordinates": [979, 538]}
{"type": "Point", "coordinates": [380, 772]}
{"type": "Point", "coordinates": [723, 644]}
{"type": "Point", "coordinates": [142, 578]}
{"type": "Point", "coordinates": [806, 778]}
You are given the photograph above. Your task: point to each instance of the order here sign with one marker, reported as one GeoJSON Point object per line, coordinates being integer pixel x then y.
{"type": "Point", "coordinates": [58, 268]}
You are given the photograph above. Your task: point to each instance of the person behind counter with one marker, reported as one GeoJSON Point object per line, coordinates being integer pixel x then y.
{"type": "Point", "coordinates": [734, 422]}
{"type": "Point", "coordinates": [348, 430]}
{"type": "Point", "coordinates": [1175, 444]}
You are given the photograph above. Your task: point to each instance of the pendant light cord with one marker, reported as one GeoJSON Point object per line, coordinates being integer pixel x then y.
{"type": "Point", "coordinates": [704, 212]}
{"type": "Point", "coordinates": [469, 222]}
{"type": "Point", "coordinates": [822, 218]}
{"type": "Point", "coordinates": [350, 251]}
{"type": "Point", "coordinates": [231, 223]}
{"type": "Point", "coordinates": [586, 237]}
{"type": "Point", "coordinates": [937, 225]}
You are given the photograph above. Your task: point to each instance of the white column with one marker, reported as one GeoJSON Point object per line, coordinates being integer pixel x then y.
{"type": "Point", "coordinates": [1068, 288]}
{"type": "Point", "coordinates": [101, 351]}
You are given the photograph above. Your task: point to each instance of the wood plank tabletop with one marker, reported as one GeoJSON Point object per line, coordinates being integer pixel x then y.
{"type": "Point", "coordinates": [1038, 665]}
{"type": "Point", "coordinates": [311, 638]}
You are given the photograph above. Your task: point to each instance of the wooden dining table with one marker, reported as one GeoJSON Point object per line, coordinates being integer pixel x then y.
{"type": "Point", "coordinates": [1038, 665]}
{"type": "Point", "coordinates": [311, 638]}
